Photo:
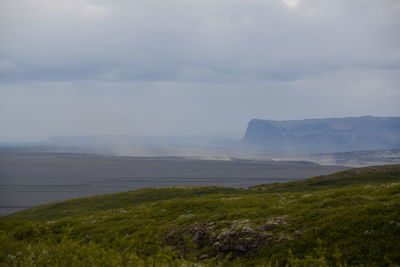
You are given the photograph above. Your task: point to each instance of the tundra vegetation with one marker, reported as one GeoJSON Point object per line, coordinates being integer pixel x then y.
{"type": "Point", "coordinates": [350, 218]}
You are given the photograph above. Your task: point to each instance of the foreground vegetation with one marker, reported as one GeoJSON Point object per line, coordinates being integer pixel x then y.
{"type": "Point", "coordinates": [351, 218]}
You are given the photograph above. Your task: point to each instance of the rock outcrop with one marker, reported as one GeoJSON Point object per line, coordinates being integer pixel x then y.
{"type": "Point", "coordinates": [239, 238]}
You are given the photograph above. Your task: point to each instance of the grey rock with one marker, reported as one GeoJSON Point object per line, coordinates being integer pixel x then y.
{"type": "Point", "coordinates": [240, 238]}
{"type": "Point", "coordinates": [323, 135]}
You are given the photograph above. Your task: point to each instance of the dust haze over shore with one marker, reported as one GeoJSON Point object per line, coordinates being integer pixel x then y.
{"type": "Point", "coordinates": [69, 167]}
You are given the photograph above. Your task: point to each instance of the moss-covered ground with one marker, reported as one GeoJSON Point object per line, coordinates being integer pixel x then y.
{"type": "Point", "coordinates": [351, 218]}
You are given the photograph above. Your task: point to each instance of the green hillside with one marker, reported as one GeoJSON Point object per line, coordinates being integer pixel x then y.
{"type": "Point", "coordinates": [351, 218]}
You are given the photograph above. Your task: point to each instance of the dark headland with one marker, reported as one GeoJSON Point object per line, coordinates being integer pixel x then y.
{"type": "Point", "coordinates": [323, 135]}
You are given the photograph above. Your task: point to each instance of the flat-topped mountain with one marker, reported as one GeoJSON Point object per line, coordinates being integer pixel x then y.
{"type": "Point", "coordinates": [324, 135]}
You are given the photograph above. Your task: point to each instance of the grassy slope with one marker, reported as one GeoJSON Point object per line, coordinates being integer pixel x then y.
{"type": "Point", "coordinates": [348, 218]}
{"type": "Point", "coordinates": [351, 177]}
{"type": "Point", "coordinates": [78, 206]}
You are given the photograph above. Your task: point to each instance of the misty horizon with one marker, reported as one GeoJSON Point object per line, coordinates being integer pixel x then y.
{"type": "Point", "coordinates": [232, 136]}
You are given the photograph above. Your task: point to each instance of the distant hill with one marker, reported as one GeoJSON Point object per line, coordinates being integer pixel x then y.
{"type": "Point", "coordinates": [323, 135]}
{"type": "Point", "coordinates": [141, 140]}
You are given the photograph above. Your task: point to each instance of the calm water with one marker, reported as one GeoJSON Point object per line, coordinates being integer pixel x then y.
{"type": "Point", "coordinates": [28, 180]}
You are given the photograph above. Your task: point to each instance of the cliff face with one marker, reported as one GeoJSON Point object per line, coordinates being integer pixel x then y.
{"type": "Point", "coordinates": [323, 135]}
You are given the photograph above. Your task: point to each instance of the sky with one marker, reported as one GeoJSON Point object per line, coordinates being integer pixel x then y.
{"type": "Point", "coordinates": [186, 67]}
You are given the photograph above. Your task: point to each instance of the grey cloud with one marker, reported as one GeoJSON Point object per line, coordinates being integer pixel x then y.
{"type": "Point", "coordinates": [186, 41]}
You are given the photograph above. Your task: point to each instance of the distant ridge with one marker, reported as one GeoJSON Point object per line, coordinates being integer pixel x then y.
{"type": "Point", "coordinates": [323, 135]}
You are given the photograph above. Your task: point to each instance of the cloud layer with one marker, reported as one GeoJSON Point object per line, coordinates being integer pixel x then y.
{"type": "Point", "coordinates": [194, 40]}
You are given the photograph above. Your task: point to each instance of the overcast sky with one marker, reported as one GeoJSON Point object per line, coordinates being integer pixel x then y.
{"type": "Point", "coordinates": [157, 67]}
